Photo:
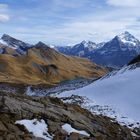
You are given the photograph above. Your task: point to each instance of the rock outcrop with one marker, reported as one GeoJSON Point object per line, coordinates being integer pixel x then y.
{"type": "Point", "coordinates": [15, 107]}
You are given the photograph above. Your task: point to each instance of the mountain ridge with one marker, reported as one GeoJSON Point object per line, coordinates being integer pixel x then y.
{"type": "Point", "coordinates": [40, 64]}
{"type": "Point", "coordinates": [115, 53]}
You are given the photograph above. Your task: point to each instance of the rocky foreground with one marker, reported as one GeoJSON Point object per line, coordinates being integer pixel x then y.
{"type": "Point", "coordinates": [55, 113]}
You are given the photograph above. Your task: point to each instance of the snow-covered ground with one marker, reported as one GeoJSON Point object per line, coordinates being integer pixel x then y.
{"type": "Point", "coordinates": [38, 128]}
{"type": "Point", "coordinates": [117, 94]}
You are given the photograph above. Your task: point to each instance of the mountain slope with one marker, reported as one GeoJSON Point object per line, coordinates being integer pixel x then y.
{"type": "Point", "coordinates": [118, 52]}
{"type": "Point", "coordinates": [115, 53]}
{"type": "Point", "coordinates": [43, 65]}
{"type": "Point", "coordinates": [117, 94]}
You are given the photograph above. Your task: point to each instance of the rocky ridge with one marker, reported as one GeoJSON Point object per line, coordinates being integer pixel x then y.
{"type": "Point", "coordinates": [55, 113]}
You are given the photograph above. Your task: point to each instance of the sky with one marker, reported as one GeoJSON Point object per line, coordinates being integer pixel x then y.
{"type": "Point", "coordinates": [67, 22]}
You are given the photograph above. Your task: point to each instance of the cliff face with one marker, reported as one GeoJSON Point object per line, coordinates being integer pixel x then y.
{"type": "Point", "coordinates": [55, 114]}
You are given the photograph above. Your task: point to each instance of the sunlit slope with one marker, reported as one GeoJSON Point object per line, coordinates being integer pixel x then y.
{"type": "Point", "coordinates": [43, 65]}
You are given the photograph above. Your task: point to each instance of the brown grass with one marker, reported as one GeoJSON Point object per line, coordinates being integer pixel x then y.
{"type": "Point", "coordinates": [45, 66]}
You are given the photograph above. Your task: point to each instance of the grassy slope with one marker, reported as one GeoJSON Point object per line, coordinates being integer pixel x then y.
{"type": "Point", "coordinates": [45, 66]}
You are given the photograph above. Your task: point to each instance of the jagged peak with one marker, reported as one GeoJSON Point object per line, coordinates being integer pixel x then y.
{"type": "Point", "coordinates": [87, 42]}
{"type": "Point", "coordinates": [9, 39]}
{"type": "Point", "coordinates": [84, 41]}
{"type": "Point", "coordinates": [125, 35]}
{"type": "Point", "coordinates": [6, 37]}
{"type": "Point", "coordinates": [14, 43]}
{"type": "Point", "coordinates": [127, 38]}
{"type": "Point", "coordinates": [41, 44]}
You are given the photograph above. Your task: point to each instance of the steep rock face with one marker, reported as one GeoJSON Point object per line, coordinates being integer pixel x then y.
{"type": "Point", "coordinates": [55, 113]}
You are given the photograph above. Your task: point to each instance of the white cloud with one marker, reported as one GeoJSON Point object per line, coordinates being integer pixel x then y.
{"type": "Point", "coordinates": [124, 3]}
{"type": "Point", "coordinates": [78, 31]}
{"type": "Point", "coordinates": [74, 32]}
{"type": "Point", "coordinates": [97, 26]}
{"type": "Point", "coordinates": [4, 18]}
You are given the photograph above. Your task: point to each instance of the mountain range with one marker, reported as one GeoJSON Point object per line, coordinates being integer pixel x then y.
{"type": "Point", "coordinates": [115, 53]}
{"type": "Point", "coordinates": [22, 63]}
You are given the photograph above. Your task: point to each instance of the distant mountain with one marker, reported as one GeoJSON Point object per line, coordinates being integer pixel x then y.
{"type": "Point", "coordinates": [115, 53]}
{"type": "Point", "coordinates": [20, 47]}
{"type": "Point", "coordinates": [83, 49]}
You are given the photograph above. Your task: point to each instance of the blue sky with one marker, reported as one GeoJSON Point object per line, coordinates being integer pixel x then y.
{"type": "Point", "coordinates": [63, 22]}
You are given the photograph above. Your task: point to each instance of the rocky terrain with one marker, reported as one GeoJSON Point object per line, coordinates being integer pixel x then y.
{"type": "Point", "coordinates": [56, 115]}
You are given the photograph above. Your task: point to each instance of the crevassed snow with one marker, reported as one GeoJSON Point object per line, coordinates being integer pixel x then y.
{"type": "Point", "coordinates": [38, 128]}
{"type": "Point", "coordinates": [120, 92]}
{"type": "Point", "coordinates": [69, 129]}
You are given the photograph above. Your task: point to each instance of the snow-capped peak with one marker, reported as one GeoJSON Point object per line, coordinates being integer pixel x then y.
{"type": "Point", "coordinates": [87, 43]}
{"type": "Point", "coordinates": [6, 40]}
{"type": "Point", "coordinates": [128, 38]}
{"type": "Point", "coordinates": [13, 43]}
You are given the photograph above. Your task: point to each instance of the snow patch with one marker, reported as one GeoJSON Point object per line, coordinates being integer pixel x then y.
{"type": "Point", "coordinates": [3, 42]}
{"type": "Point", "coordinates": [38, 128]}
{"type": "Point", "coordinates": [69, 129]}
